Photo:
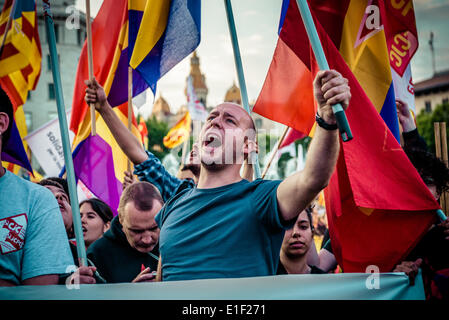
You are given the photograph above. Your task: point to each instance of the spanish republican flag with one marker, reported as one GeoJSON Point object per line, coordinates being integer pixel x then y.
{"type": "Point", "coordinates": [179, 133]}
{"type": "Point", "coordinates": [98, 160]}
{"type": "Point", "coordinates": [167, 32]}
{"type": "Point", "coordinates": [377, 205]}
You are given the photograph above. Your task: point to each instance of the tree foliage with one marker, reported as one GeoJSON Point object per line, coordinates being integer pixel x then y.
{"type": "Point", "coordinates": [156, 133]}
{"type": "Point", "coordinates": [425, 123]}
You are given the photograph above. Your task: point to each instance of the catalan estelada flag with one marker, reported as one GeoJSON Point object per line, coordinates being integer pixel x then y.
{"type": "Point", "coordinates": [98, 160]}
{"type": "Point", "coordinates": [20, 66]}
{"type": "Point", "coordinates": [179, 133]}
{"type": "Point", "coordinates": [169, 30]}
{"type": "Point", "coordinates": [377, 205]}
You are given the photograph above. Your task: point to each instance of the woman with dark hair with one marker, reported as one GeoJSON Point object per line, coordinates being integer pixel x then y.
{"type": "Point", "coordinates": [297, 242]}
{"type": "Point", "coordinates": [96, 219]}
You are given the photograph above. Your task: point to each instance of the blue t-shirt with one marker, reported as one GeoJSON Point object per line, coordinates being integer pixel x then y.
{"type": "Point", "coordinates": [226, 232]}
{"type": "Point", "coordinates": [33, 240]}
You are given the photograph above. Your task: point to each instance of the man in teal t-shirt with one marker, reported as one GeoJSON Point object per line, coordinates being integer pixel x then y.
{"type": "Point", "coordinates": [228, 227]}
{"type": "Point", "coordinates": [34, 247]}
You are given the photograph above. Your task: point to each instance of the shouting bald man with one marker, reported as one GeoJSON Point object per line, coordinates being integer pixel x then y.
{"type": "Point", "coordinates": [228, 227]}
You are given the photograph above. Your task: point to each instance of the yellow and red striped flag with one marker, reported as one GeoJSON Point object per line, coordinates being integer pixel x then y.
{"type": "Point", "coordinates": [20, 67]}
{"type": "Point", "coordinates": [179, 133]}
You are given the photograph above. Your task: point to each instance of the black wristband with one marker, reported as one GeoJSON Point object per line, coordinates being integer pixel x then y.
{"type": "Point", "coordinates": [323, 124]}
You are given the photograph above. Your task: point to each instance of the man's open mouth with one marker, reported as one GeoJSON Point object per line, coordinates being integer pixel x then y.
{"type": "Point", "coordinates": [212, 140]}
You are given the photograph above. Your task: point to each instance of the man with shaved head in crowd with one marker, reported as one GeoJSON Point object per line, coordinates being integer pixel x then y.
{"type": "Point", "coordinates": [226, 226]}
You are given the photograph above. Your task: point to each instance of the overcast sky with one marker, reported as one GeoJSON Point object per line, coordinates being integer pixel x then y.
{"type": "Point", "coordinates": [256, 22]}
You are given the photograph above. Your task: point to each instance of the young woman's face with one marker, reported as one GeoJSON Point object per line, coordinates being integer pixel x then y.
{"type": "Point", "coordinates": [298, 239]}
{"type": "Point", "coordinates": [93, 225]}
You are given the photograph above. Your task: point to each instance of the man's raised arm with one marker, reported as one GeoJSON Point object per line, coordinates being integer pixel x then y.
{"type": "Point", "coordinates": [298, 190]}
{"type": "Point", "coordinates": [130, 145]}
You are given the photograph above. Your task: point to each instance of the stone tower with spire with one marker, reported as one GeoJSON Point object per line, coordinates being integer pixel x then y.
{"type": "Point", "coordinates": [198, 79]}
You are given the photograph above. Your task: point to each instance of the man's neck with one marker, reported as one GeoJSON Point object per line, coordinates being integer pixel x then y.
{"type": "Point", "coordinates": [297, 265]}
{"type": "Point", "coordinates": [218, 178]}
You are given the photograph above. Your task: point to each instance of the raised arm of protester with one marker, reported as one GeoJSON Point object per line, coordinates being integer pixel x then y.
{"type": "Point", "coordinates": [298, 190]}
{"type": "Point", "coordinates": [130, 145]}
{"type": "Point", "coordinates": [409, 131]}
{"type": "Point", "coordinates": [147, 166]}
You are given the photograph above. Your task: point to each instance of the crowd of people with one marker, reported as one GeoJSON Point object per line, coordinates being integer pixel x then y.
{"type": "Point", "coordinates": [211, 220]}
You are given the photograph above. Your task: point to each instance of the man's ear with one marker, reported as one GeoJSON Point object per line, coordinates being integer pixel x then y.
{"type": "Point", "coordinates": [4, 122]}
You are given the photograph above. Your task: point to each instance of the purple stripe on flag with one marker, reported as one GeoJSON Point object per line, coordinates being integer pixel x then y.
{"type": "Point", "coordinates": [94, 166]}
{"type": "Point", "coordinates": [13, 151]}
{"type": "Point", "coordinates": [119, 88]}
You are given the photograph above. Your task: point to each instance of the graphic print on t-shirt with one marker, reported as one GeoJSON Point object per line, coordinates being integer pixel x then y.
{"type": "Point", "coordinates": [12, 233]}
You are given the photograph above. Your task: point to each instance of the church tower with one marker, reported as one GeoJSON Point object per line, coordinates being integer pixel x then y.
{"type": "Point", "coordinates": [233, 95]}
{"type": "Point", "coordinates": [198, 80]}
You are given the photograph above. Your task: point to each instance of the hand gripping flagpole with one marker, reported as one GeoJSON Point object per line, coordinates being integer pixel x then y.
{"type": "Point", "coordinates": [441, 215]}
{"type": "Point", "coordinates": [342, 121]}
{"type": "Point", "coordinates": [49, 26]}
{"type": "Point", "coordinates": [239, 67]}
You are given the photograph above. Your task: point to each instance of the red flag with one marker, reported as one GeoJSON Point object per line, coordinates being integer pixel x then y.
{"type": "Point", "coordinates": [401, 33]}
{"type": "Point", "coordinates": [378, 207]}
{"type": "Point", "coordinates": [291, 136]}
{"type": "Point", "coordinates": [285, 98]}
{"type": "Point", "coordinates": [112, 14]}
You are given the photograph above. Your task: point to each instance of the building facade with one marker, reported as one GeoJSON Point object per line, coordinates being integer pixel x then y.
{"type": "Point", "coordinates": [432, 92]}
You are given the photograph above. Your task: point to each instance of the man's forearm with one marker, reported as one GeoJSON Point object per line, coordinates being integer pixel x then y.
{"type": "Point", "coordinates": [321, 159]}
{"type": "Point", "coordinates": [129, 144]}
{"type": "Point", "coordinates": [299, 189]}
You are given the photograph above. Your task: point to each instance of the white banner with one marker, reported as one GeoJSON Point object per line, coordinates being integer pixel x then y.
{"type": "Point", "coordinates": [403, 87]}
{"type": "Point", "coordinates": [196, 108]}
{"type": "Point", "coordinates": [46, 145]}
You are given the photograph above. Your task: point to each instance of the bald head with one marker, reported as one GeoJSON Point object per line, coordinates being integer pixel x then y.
{"type": "Point", "coordinates": [226, 135]}
{"type": "Point", "coordinates": [237, 110]}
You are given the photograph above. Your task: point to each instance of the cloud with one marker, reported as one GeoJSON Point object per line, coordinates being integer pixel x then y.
{"type": "Point", "coordinates": [256, 37]}
{"type": "Point", "coordinates": [250, 13]}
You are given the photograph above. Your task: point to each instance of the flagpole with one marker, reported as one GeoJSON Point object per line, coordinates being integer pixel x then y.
{"type": "Point", "coordinates": [90, 65]}
{"type": "Point", "coordinates": [241, 77]}
{"type": "Point", "coordinates": [184, 149]}
{"type": "Point", "coordinates": [276, 148]}
{"type": "Point", "coordinates": [441, 153]}
{"type": "Point", "coordinates": [8, 24]}
{"type": "Point", "coordinates": [130, 105]}
{"type": "Point", "coordinates": [342, 121]}
{"type": "Point", "coordinates": [445, 159]}
{"type": "Point", "coordinates": [49, 26]}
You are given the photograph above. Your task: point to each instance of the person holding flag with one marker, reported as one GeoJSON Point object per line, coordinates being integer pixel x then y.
{"type": "Point", "coordinates": [147, 166]}
{"type": "Point", "coordinates": [222, 203]}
